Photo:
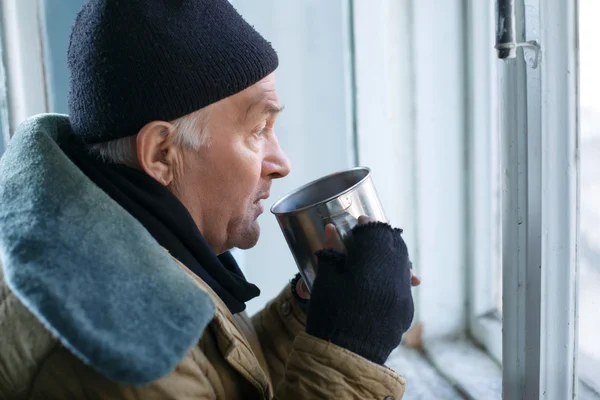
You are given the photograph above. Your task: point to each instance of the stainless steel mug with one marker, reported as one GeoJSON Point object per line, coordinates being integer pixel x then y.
{"type": "Point", "coordinates": [339, 198]}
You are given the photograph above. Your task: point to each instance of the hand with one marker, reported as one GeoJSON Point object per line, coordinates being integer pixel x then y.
{"type": "Point", "coordinates": [333, 241]}
{"type": "Point", "coordinates": [361, 299]}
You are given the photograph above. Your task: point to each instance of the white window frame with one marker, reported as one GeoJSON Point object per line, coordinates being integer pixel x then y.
{"type": "Point", "coordinates": [382, 39]}
{"type": "Point", "coordinates": [484, 240]}
{"type": "Point", "coordinates": [539, 208]}
{"type": "Point", "coordinates": [400, 113]}
{"type": "Point", "coordinates": [439, 135]}
{"type": "Point", "coordinates": [560, 197]}
{"type": "Point", "coordinates": [540, 161]}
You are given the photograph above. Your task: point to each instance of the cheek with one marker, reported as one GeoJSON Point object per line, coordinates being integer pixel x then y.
{"type": "Point", "coordinates": [229, 173]}
{"type": "Point", "coordinates": [247, 175]}
{"type": "Point", "coordinates": [191, 184]}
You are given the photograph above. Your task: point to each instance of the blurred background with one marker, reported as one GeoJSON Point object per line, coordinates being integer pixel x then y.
{"type": "Point", "coordinates": [410, 89]}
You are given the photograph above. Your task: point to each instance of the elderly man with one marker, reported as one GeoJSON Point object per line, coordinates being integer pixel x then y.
{"type": "Point", "coordinates": [116, 221]}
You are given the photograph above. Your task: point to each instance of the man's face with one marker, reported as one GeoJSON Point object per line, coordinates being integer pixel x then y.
{"type": "Point", "coordinates": [224, 184]}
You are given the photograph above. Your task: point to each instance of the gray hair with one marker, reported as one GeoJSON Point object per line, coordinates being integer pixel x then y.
{"type": "Point", "coordinates": [190, 130]}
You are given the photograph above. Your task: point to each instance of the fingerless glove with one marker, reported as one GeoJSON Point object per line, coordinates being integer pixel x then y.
{"type": "Point", "coordinates": [362, 301]}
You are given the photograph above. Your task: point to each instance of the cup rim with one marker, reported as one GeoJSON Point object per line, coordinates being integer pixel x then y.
{"type": "Point", "coordinates": [295, 191]}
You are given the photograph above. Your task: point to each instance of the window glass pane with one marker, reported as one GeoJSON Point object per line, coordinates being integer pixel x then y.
{"type": "Point", "coordinates": [589, 244]}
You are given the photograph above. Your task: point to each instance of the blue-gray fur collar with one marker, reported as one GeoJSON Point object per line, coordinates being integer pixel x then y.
{"type": "Point", "coordinates": [86, 268]}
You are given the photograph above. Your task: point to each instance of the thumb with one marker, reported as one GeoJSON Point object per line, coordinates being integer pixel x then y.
{"type": "Point", "coordinates": [333, 240]}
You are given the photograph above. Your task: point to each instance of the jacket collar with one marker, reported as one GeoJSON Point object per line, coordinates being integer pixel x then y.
{"type": "Point", "coordinates": [86, 268]}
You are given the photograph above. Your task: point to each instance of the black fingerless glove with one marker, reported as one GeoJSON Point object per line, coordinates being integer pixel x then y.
{"type": "Point", "coordinates": [363, 301]}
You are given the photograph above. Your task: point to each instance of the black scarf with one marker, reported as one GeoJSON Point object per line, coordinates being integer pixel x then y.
{"type": "Point", "coordinates": [168, 221]}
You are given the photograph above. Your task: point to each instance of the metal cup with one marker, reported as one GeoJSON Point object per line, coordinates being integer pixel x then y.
{"type": "Point", "coordinates": [339, 198]}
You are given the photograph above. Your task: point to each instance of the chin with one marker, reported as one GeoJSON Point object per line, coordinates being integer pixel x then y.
{"type": "Point", "coordinates": [249, 237]}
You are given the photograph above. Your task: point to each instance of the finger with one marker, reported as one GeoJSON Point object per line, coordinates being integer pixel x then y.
{"type": "Point", "coordinates": [333, 240]}
{"type": "Point", "coordinates": [302, 290]}
{"type": "Point", "coordinates": [414, 279]}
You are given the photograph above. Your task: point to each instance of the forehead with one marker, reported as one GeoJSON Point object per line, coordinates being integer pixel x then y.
{"type": "Point", "coordinates": [256, 97]}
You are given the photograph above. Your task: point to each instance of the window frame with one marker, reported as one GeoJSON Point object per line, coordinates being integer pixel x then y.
{"type": "Point", "coordinates": [540, 154]}
{"type": "Point", "coordinates": [560, 197]}
{"type": "Point", "coordinates": [389, 38]}
{"type": "Point", "coordinates": [539, 129]}
{"type": "Point", "coordinates": [440, 177]}
{"type": "Point", "coordinates": [484, 218]}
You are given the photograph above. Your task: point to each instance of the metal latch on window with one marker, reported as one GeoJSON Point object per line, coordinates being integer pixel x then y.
{"type": "Point", "coordinates": [506, 44]}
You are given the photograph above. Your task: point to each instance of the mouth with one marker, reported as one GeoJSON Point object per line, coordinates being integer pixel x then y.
{"type": "Point", "coordinates": [264, 196]}
{"type": "Point", "coordinates": [259, 202]}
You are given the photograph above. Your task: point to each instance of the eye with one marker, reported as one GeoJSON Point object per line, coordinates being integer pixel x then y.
{"type": "Point", "coordinates": [263, 131]}
{"type": "Point", "coordinates": [264, 128]}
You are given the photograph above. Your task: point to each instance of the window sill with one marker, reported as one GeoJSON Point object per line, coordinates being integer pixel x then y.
{"type": "Point", "coordinates": [458, 369]}
{"type": "Point", "coordinates": [423, 380]}
{"type": "Point", "coordinates": [448, 369]}
{"type": "Point", "coordinates": [587, 392]}
{"type": "Point", "coordinates": [468, 368]}
{"type": "Point", "coordinates": [589, 388]}
{"type": "Point", "coordinates": [487, 331]}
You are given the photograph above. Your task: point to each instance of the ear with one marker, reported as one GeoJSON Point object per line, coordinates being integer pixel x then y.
{"type": "Point", "coordinates": [156, 151]}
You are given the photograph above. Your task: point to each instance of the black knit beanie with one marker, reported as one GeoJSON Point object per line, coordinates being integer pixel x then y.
{"type": "Point", "coordinates": [136, 61]}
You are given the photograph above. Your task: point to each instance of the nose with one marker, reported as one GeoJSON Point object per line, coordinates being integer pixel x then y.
{"type": "Point", "coordinates": [276, 163]}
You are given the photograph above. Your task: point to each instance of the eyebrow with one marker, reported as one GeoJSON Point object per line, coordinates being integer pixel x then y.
{"type": "Point", "coordinates": [269, 109]}
{"type": "Point", "coordinates": [273, 109]}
